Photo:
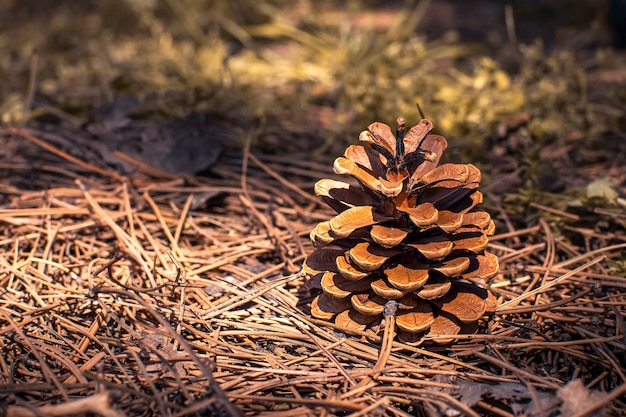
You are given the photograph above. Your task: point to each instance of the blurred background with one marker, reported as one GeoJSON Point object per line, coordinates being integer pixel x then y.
{"type": "Point", "coordinates": [511, 84]}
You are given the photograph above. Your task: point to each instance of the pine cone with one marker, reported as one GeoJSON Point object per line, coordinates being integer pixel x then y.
{"type": "Point", "coordinates": [406, 237]}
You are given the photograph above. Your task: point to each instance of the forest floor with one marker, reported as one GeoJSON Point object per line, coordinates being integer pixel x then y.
{"type": "Point", "coordinates": [158, 161]}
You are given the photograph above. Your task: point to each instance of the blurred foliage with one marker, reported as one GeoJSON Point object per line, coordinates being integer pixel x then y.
{"type": "Point", "coordinates": [264, 57]}
{"type": "Point", "coordinates": [543, 123]}
{"type": "Point", "coordinates": [305, 76]}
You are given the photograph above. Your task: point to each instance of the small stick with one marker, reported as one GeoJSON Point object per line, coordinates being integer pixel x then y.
{"type": "Point", "coordinates": [99, 404]}
{"type": "Point", "coordinates": [388, 335]}
{"type": "Point", "coordinates": [32, 86]}
{"type": "Point", "coordinates": [555, 211]}
{"type": "Point", "coordinates": [400, 137]}
{"type": "Point", "coordinates": [550, 284]}
{"type": "Point", "coordinates": [43, 144]}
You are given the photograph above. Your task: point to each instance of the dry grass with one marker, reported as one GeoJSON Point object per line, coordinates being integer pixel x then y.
{"type": "Point", "coordinates": [183, 296]}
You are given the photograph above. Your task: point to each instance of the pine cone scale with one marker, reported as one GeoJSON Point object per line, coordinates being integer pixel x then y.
{"type": "Point", "coordinates": [416, 320]}
{"type": "Point", "coordinates": [405, 278]}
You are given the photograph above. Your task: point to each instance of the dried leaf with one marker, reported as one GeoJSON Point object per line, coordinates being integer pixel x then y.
{"type": "Point", "coordinates": [602, 188]}
{"type": "Point", "coordinates": [576, 396]}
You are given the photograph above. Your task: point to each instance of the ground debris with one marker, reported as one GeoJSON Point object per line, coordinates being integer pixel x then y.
{"type": "Point", "coordinates": [576, 398]}
{"type": "Point", "coordinates": [124, 272]}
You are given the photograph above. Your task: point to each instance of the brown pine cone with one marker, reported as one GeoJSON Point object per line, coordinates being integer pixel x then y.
{"type": "Point", "coordinates": [407, 236]}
